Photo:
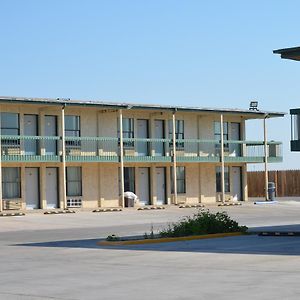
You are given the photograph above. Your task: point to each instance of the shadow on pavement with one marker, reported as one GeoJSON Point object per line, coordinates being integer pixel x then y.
{"type": "Point", "coordinates": [248, 244]}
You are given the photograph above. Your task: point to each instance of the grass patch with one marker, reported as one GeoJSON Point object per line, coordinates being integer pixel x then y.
{"type": "Point", "coordinates": [203, 222]}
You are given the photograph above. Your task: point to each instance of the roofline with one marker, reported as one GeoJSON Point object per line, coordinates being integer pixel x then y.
{"type": "Point", "coordinates": [289, 53]}
{"type": "Point", "coordinates": [115, 105]}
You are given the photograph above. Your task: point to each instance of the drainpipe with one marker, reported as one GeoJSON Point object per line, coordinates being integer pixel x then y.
{"type": "Point", "coordinates": [266, 158]}
{"type": "Point", "coordinates": [64, 155]}
{"type": "Point", "coordinates": [174, 157]}
{"type": "Point", "coordinates": [1, 201]}
{"type": "Point", "coordinates": [222, 160]}
{"type": "Point", "coordinates": [121, 158]}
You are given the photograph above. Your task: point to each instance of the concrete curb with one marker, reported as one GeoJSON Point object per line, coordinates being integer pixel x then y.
{"type": "Point", "coordinates": [190, 205]}
{"type": "Point", "coordinates": [168, 240]}
{"type": "Point", "coordinates": [107, 209]}
{"type": "Point", "coordinates": [151, 207]}
{"type": "Point", "coordinates": [230, 204]}
{"type": "Point", "coordinates": [56, 212]}
{"type": "Point", "coordinates": [282, 233]}
{"type": "Point", "coordinates": [11, 214]}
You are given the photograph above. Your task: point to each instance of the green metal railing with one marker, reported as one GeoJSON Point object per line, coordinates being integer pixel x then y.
{"type": "Point", "coordinates": [107, 149]}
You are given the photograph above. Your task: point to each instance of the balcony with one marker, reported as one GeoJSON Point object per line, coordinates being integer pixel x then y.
{"type": "Point", "coordinates": [107, 149]}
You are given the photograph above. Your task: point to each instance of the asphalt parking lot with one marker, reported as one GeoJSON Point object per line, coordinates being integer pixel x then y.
{"type": "Point", "coordinates": [56, 257]}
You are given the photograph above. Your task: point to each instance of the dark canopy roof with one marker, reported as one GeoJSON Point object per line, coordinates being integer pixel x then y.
{"type": "Point", "coordinates": [289, 53]}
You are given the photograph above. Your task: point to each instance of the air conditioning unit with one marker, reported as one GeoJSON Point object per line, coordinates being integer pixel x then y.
{"type": "Point", "coordinates": [74, 202]}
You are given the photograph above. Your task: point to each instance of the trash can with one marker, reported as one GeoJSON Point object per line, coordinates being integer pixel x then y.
{"type": "Point", "coordinates": [129, 202]}
{"type": "Point", "coordinates": [271, 191]}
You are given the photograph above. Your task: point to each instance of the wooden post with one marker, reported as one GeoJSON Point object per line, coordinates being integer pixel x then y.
{"type": "Point", "coordinates": [121, 158]}
{"type": "Point", "coordinates": [266, 159]}
{"type": "Point", "coordinates": [222, 160]}
{"type": "Point", "coordinates": [64, 156]}
{"type": "Point", "coordinates": [174, 157]}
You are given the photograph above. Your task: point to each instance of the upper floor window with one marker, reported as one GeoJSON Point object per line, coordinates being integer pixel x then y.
{"type": "Point", "coordinates": [128, 131]}
{"type": "Point", "coordinates": [72, 126]}
{"type": "Point", "coordinates": [217, 133]}
{"type": "Point", "coordinates": [179, 132]}
{"type": "Point", "coordinates": [10, 124]}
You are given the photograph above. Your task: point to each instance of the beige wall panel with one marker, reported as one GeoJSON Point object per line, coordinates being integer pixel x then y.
{"type": "Point", "coordinates": [192, 184]}
{"type": "Point", "coordinates": [208, 183]}
{"type": "Point", "coordinates": [90, 189]}
{"type": "Point", "coordinates": [109, 185]}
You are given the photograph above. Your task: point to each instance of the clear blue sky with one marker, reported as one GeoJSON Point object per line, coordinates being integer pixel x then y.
{"type": "Point", "coordinates": [197, 53]}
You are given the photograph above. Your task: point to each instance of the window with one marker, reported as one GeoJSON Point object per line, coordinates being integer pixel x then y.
{"type": "Point", "coordinates": [129, 180]}
{"type": "Point", "coordinates": [9, 123]}
{"type": "Point", "coordinates": [74, 181]}
{"type": "Point", "coordinates": [217, 130]}
{"type": "Point", "coordinates": [128, 131]}
{"type": "Point", "coordinates": [72, 129]}
{"type": "Point", "coordinates": [11, 183]}
{"type": "Point", "coordinates": [226, 179]}
{"type": "Point", "coordinates": [10, 126]}
{"type": "Point", "coordinates": [180, 176]}
{"type": "Point", "coordinates": [179, 132]}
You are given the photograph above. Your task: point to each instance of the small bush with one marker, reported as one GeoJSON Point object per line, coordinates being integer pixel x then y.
{"type": "Point", "coordinates": [203, 222]}
{"type": "Point", "coordinates": [112, 238]}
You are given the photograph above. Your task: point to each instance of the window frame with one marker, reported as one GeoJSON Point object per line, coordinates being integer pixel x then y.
{"type": "Point", "coordinates": [17, 182]}
{"type": "Point", "coordinates": [79, 181]}
{"type": "Point", "coordinates": [178, 179]}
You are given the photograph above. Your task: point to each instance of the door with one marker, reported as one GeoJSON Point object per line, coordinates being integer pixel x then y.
{"type": "Point", "coordinates": [160, 186]}
{"type": "Point", "coordinates": [142, 133]}
{"type": "Point", "coordinates": [144, 186]}
{"type": "Point", "coordinates": [159, 134]}
{"type": "Point", "coordinates": [237, 183]}
{"type": "Point", "coordinates": [30, 129]}
{"type": "Point", "coordinates": [50, 130]}
{"type": "Point", "coordinates": [235, 149]}
{"type": "Point", "coordinates": [32, 188]}
{"type": "Point", "coordinates": [52, 188]}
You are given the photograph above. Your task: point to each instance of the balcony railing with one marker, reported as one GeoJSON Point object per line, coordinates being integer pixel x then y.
{"type": "Point", "coordinates": [107, 149]}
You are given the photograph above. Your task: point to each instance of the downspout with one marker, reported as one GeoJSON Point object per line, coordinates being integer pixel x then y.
{"type": "Point", "coordinates": [121, 158]}
{"type": "Point", "coordinates": [266, 158]}
{"type": "Point", "coordinates": [174, 157]}
{"type": "Point", "coordinates": [63, 137]}
{"type": "Point", "coordinates": [222, 160]}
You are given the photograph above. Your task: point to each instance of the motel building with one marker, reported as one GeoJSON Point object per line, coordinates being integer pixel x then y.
{"type": "Point", "coordinates": [62, 153]}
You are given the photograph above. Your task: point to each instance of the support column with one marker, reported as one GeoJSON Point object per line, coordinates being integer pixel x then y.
{"type": "Point", "coordinates": [266, 159]}
{"type": "Point", "coordinates": [63, 156]}
{"type": "Point", "coordinates": [121, 157]}
{"type": "Point", "coordinates": [222, 160]}
{"type": "Point", "coordinates": [174, 158]}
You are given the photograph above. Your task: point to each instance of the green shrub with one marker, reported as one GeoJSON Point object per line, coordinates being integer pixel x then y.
{"type": "Point", "coordinates": [112, 238]}
{"type": "Point", "coordinates": [203, 222]}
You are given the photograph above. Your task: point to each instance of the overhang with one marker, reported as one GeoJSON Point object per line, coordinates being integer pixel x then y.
{"type": "Point", "coordinates": [289, 53]}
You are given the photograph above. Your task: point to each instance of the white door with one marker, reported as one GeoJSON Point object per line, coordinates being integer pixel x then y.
{"type": "Point", "coordinates": [159, 134]}
{"type": "Point", "coordinates": [235, 149]}
{"type": "Point", "coordinates": [32, 188]}
{"type": "Point", "coordinates": [30, 129]}
{"type": "Point", "coordinates": [237, 183]}
{"type": "Point", "coordinates": [160, 186]}
{"type": "Point", "coordinates": [51, 188]}
{"type": "Point", "coordinates": [50, 130]}
{"type": "Point", "coordinates": [144, 186]}
{"type": "Point", "coordinates": [142, 133]}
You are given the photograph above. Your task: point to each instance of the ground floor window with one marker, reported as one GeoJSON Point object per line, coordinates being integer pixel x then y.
{"type": "Point", "coordinates": [226, 179]}
{"type": "Point", "coordinates": [180, 180]}
{"type": "Point", "coordinates": [74, 181]}
{"type": "Point", "coordinates": [129, 180]}
{"type": "Point", "coordinates": [11, 183]}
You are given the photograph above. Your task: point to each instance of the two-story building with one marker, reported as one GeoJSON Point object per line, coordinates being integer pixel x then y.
{"type": "Point", "coordinates": [59, 153]}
